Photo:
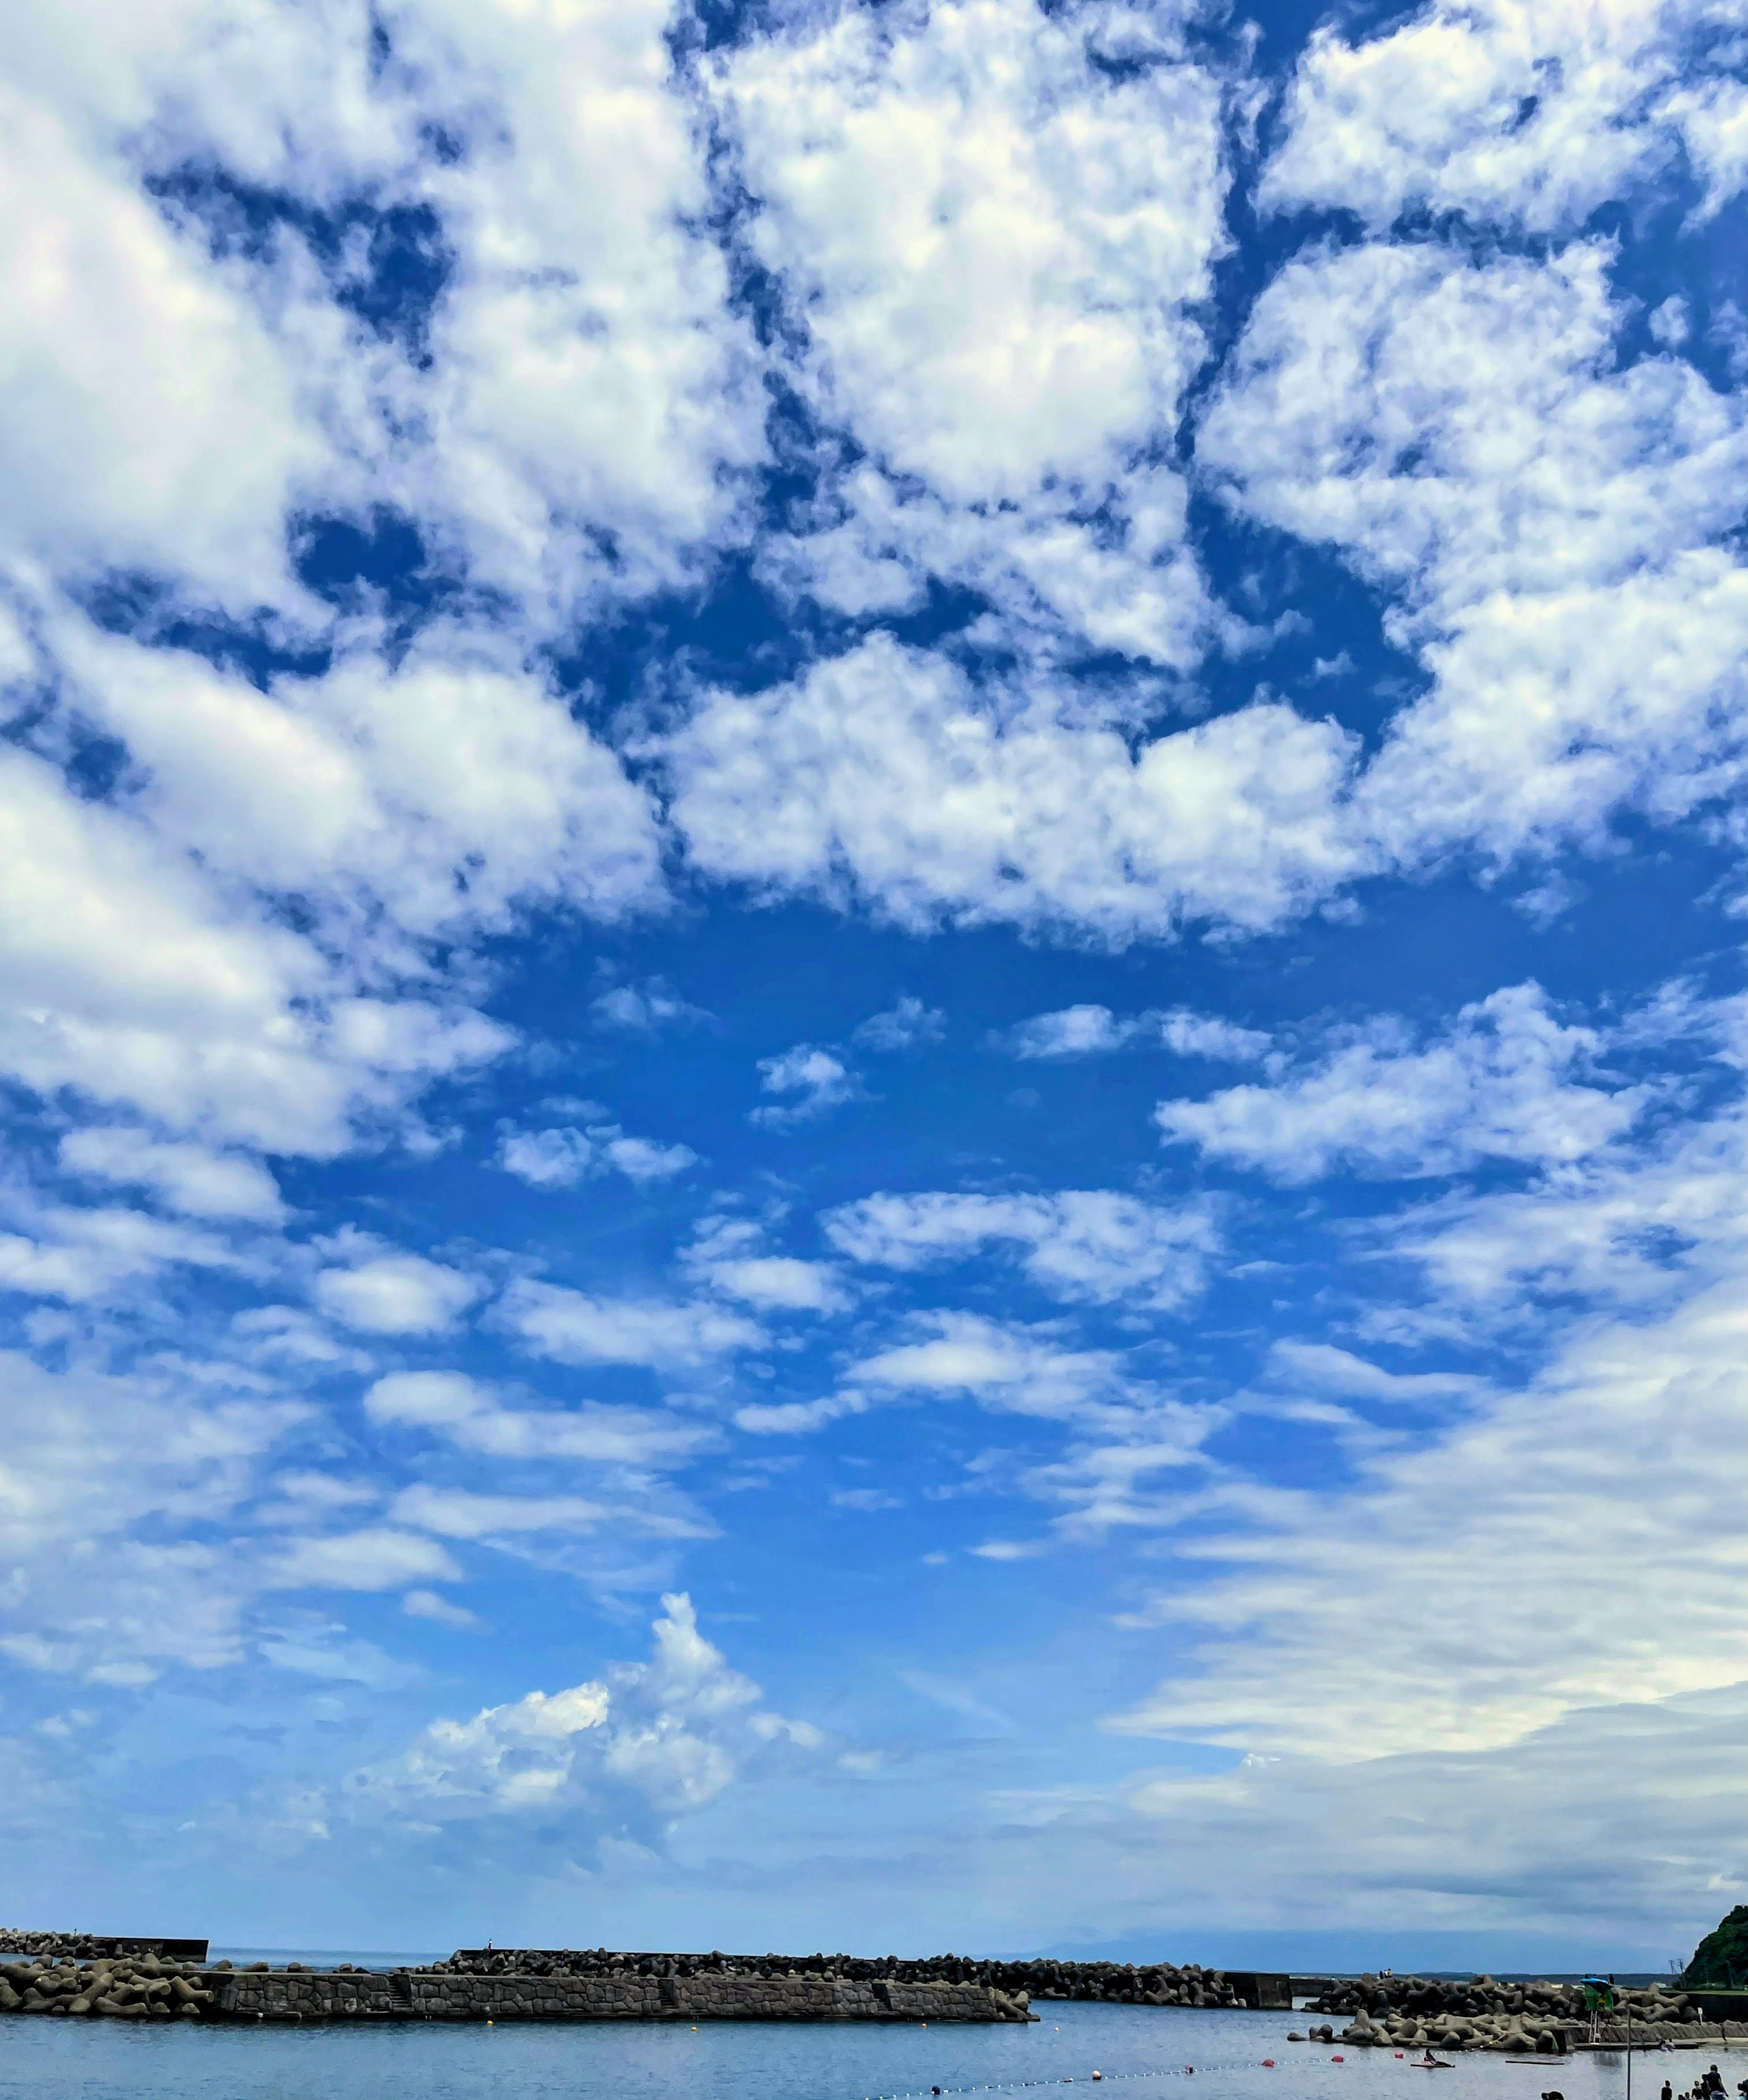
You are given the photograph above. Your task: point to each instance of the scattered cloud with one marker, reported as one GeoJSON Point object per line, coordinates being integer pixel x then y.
{"type": "Point", "coordinates": [463, 1411]}
{"type": "Point", "coordinates": [1001, 1364]}
{"type": "Point", "coordinates": [1088, 1031]}
{"type": "Point", "coordinates": [1089, 1246]}
{"type": "Point", "coordinates": [428, 1605]}
{"type": "Point", "coordinates": [191, 1179]}
{"type": "Point", "coordinates": [1626, 1227]}
{"type": "Point", "coordinates": [1073, 1031]}
{"type": "Point", "coordinates": [85, 1255]}
{"type": "Point", "coordinates": [103, 1476]}
{"type": "Point", "coordinates": [906, 1025]}
{"type": "Point", "coordinates": [378, 1558]}
{"type": "Point", "coordinates": [287, 1335]}
{"type": "Point", "coordinates": [818, 1079]}
{"type": "Point", "coordinates": [356, 367]}
{"type": "Point", "coordinates": [1500, 1084]}
{"type": "Point", "coordinates": [380, 1291]}
{"type": "Point", "coordinates": [732, 1256]}
{"type": "Point", "coordinates": [460, 1513]}
{"type": "Point", "coordinates": [1327, 1369]}
{"type": "Point", "coordinates": [644, 1009]}
{"type": "Point", "coordinates": [873, 1502]}
{"type": "Point", "coordinates": [560, 1157]}
{"type": "Point", "coordinates": [570, 1327]}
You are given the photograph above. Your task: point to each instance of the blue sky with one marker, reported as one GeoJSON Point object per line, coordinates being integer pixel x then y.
{"type": "Point", "coordinates": [873, 919]}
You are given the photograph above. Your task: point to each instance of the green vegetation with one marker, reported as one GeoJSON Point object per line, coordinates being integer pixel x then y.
{"type": "Point", "coordinates": [1720, 1961]}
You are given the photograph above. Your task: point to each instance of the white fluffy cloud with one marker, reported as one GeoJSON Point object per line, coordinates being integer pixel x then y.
{"type": "Point", "coordinates": [441, 792]}
{"type": "Point", "coordinates": [1003, 1365]}
{"type": "Point", "coordinates": [1121, 1434]}
{"type": "Point", "coordinates": [1000, 1364]}
{"type": "Point", "coordinates": [994, 236]}
{"type": "Point", "coordinates": [815, 1079]}
{"type": "Point", "coordinates": [733, 1257]}
{"type": "Point", "coordinates": [189, 1178]}
{"type": "Point", "coordinates": [1088, 1244]}
{"type": "Point", "coordinates": [1088, 1031]}
{"type": "Point", "coordinates": [151, 416]}
{"type": "Point", "coordinates": [1551, 525]}
{"type": "Point", "coordinates": [145, 937]}
{"type": "Point", "coordinates": [570, 1327]}
{"type": "Point", "coordinates": [178, 402]}
{"type": "Point", "coordinates": [561, 1157]}
{"type": "Point", "coordinates": [906, 1025]}
{"type": "Point", "coordinates": [659, 1738]}
{"type": "Point", "coordinates": [590, 397]}
{"type": "Point", "coordinates": [581, 397]}
{"type": "Point", "coordinates": [473, 1417]}
{"type": "Point", "coordinates": [883, 778]}
{"type": "Point", "coordinates": [132, 980]}
{"type": "Point", "coordinates": [1526, 112]}
{"type": "Point", "coordinates": [378, 1290]}
{"type": "Point", "coordinates": [644, 1008]}
{"type": "Point", "coordinates": [1462, 433]}
{"type": "Point", "coordinates": [87, 1253]}
{"type": "Point", "coordinates": [1622, 1228]}
{"type": "Point", "coordinates": [1503, 1084]}
{"type": "Point", "coordinates": [460, 1513]}
{"type": "Point", "coordinates": [378, 1558]}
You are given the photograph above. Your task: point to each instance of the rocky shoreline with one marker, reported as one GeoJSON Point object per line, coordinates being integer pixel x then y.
{"type": "Point", "coordinates": [1540, 2018]}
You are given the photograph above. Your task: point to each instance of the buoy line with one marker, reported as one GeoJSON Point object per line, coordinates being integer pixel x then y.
{"type": "Point", "coordinates": [1086, 2078]}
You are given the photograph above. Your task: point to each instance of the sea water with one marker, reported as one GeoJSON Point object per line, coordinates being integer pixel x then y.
{"type": "Point", "coordinates": [1137, 2050]}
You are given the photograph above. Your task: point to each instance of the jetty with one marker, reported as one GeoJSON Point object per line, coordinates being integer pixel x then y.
{"type": "Point", "coordinates": [63, 1975]}
{"type": "Point", "coordinates": [85, 1975]}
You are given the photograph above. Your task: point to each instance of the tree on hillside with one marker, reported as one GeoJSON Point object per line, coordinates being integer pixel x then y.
{"type": "Point", "coordinates": [1720, 1960]}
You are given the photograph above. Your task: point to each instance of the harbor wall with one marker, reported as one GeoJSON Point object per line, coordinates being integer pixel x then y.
{"type": "Point", "coordinates": [421, 1994]}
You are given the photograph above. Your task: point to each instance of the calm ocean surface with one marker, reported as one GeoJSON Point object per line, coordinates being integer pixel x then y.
{"type": "Point", "coordinates": [1140, 2050]}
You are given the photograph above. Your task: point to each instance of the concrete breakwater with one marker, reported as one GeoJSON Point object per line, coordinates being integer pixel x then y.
{"type": "Point", "coordinates": [1111, 1982]}
{"type": "Point", "coordinates": [64, 1974]}
{"type": "Point", "coordinates": [506, 1995]}
{"type": "Point", "coordinates": [1115, 1982]}
{"type": "Point", "coordinates": [110, 1986]}
{"type": "Point", "coordinates": [58, 1984]}
{"type": "Point", "coordinates": [93, 1946]}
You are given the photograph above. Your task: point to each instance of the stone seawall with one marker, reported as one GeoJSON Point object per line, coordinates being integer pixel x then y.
{"type": "Point", "coordinates": [419, 1995]}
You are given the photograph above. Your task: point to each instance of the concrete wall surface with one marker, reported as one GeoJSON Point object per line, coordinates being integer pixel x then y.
{"type": "Point", "coordinates": [409, 1995]}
